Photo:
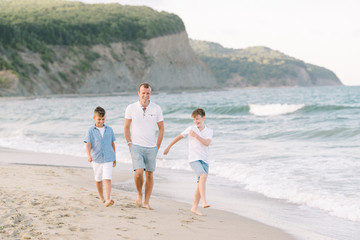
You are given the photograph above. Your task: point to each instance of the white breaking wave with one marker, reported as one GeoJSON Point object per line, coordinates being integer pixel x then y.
{"type": "Point", "coordinates": [281, 187]}
{"type": "Point", "coordinates": [273, 109]}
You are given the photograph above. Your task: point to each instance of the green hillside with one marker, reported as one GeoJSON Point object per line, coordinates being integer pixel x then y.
{"type": "Point", "coordinates": [35, 25]}
{"type": "Point", "coordinates": [67, 23]}
{"type": "Point", "coordinates": [259, 66]}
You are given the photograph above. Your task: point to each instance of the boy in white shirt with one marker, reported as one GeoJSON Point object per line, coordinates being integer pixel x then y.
{"type": "Point", "coordinates": [200, 137]}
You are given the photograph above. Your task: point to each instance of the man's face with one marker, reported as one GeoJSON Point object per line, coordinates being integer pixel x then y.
{"type": "Point", "coordinates": [99, 121]}
{"type": "Point", "coordinates": [144, 94]}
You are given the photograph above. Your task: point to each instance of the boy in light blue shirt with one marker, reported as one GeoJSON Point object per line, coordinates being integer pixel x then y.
{"type": "Point", "coordinates": [100, 149]}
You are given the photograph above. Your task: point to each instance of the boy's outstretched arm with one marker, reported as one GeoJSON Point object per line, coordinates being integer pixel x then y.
{"type": "Point", "coordinates": [167, 149]}
{"type": "Point", "coordinates": [88, 151]}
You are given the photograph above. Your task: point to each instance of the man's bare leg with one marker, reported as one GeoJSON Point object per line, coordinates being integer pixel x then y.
{"type": "Point", "coordinates": [107, 186]}
{"type": "Point", "coordinates": [99, 187]}
{"type": "Point", "coordinates": [139, 181]}
{"type": "Point", "coordinates": [149, 184]}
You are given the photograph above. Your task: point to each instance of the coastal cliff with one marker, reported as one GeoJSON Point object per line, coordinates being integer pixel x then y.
{"type": "Point", "coordinates": [63, 47]}
{"type": "Point", "coordinates": [260, 67]}
{"type": "Point", "coordinates": [167, 62]}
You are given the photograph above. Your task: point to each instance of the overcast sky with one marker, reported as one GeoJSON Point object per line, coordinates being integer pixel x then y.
{"type": "Point", "coordinates": [321, 32]}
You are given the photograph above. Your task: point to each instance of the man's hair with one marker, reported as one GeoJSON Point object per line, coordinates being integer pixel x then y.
{"type": "Point", "coordinates": [198, 111]}
{"type": "Point", "coordinates": [99, 111]}
{"type": "Point", "coordinates": [146, 85]}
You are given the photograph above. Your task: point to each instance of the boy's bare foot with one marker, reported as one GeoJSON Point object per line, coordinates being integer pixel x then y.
{"type": "Point", "coordinates": [147, 206]}
{"type": "Point", "coordinates": [205, 206]}
{"type": "Point", "coordinates": [109, 203]}
{"type": "Point", "coordinates": [195, 211]}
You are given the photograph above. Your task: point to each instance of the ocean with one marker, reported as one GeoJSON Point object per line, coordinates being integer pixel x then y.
{"type": "Point", "coordinates": [288, 157]}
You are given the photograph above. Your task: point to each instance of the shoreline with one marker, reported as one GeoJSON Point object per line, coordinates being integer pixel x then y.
{"type": "Point", "coordinates": [131, 93]}
{"type": "Point", "coordinates": [57, 198]}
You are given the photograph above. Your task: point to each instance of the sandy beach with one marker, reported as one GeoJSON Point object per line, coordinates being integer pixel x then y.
{"type": "Point", "coordinates": [45, 201]}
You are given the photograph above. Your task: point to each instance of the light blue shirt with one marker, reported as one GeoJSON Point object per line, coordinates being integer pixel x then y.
{"type": "Point", "coordinates": [101, 146]}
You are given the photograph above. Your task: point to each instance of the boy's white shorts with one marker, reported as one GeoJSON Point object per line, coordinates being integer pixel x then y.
{"type": "Point", "coordinates": [102, 170]}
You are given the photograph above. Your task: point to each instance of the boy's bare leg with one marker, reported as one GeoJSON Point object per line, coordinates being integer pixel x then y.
{"type": "Point", "coordinates": [99, 187]}
{"type": "Point", "coordinates": [194, 208]}
{"type": "Point", "coordinates": [149, 184]}
{"type": "Point", "coordinates": [202, 187]}
{"type": "Point", "coordinates": [139, 181]}
{"type": "Point", "coordinates": [107, 186]}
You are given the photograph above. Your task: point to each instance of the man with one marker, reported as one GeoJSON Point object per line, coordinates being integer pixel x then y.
{"type": "Point", "coordinates": [142, 120]}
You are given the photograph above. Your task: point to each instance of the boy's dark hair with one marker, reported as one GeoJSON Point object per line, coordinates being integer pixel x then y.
{"type": "Point", "coordinates": [146, 85]}
{"type": "Point", "coordinates": [99, 111]}
{"type": "Point", "coordinates": [198, 111]}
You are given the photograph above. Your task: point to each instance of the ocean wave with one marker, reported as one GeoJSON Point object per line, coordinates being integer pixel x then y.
{"type": "Point", "coordinates": [327, 108]}
{"type": "Point", "coordinates": [271, 186]}
{"type": "Point", "coordinates": [314, 134]}
{"type": "Point", "coordinates": [261, 109]}
{"type": "Point", "coordinates": [274, 109]}
{"type": "Point", "coordinates": [213, 110]}
{"type": "Point", "coordinates": [229, 110]}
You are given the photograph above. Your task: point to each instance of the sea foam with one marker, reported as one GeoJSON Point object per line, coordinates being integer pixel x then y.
{"type": "Point", "coordinates": [273, 109]}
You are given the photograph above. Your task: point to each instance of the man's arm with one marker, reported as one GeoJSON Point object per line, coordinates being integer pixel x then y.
{"type": "Point", "coordinates": [161, 133]}
{"type": "Point", "coordinates": [204, 141]}
{"type": "Point", "coordinates": [127, 131]}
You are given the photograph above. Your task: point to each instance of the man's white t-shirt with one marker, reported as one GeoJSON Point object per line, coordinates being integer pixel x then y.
{"type": "Point", "coordinates": [144, 124]}
{"type": "Point", "coordinates": [197, 150]}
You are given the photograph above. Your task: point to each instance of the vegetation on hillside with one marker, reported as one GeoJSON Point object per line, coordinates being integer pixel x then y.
{"type": "Point", "coordinates": [34, 25]}
{"type": "Point", "coordinates": [254, 65]}
{"type": "Point", "coordinates": [30, 22]}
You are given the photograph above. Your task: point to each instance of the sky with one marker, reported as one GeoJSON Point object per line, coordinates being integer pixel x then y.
{"type": "Point", "coordinates": [325, 33]}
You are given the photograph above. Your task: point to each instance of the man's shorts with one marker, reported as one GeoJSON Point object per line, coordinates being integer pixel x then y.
{"type": "Point", "coordinates": [200, 167]}
{"type": "Point", "coordinates": [102, 170]}
{"type": "Point", "coordinates": [143, 157]}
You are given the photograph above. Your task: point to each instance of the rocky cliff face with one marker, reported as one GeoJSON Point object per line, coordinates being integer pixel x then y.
{"type": "Point", "coordinates": [167, 62]}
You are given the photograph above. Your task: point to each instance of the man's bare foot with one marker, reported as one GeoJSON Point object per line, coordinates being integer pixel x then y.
{"type": "Point", "coordinates": [147, 206]}
{"type": "Point", "coordinates": [195, 211]}
{"type": "Point", "coordinates": [205, 206]}
{"type": "Point", "coordinates": [102, 200]}
{"type": "Point", "coordinates": [138, 202]}
{"type": "Point", "coordinates": [109, 203]}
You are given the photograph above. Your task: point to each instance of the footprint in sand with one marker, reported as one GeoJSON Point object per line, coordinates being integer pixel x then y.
{"type": "Point", "coordinates": [74, 229]}
{"type": "Point", "coordinates": [122, 229]}
{"type": "Point", "coordinates": [35, 202]}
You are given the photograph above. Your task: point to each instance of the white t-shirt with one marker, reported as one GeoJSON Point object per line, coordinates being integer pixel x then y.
{"type": "Point", "coordinates": [197, 150]}
{"type": "Point", "coordinates": [144, 123]}
{"type": "Point", "coordinates": [102, 130]}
